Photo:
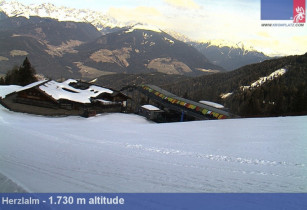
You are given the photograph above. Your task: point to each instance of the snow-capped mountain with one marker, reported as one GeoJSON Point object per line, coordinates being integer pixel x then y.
{"type": "Point", "coordinates": [226, 43]}
{"type": "Point", "coordinates": [178, 36]}
{"type": "Point", "coordinates": [229, 55]}
{"type": "Point", "coordinates": [140, 26]}
{"type": "Point", "coordinates": [99, 19]}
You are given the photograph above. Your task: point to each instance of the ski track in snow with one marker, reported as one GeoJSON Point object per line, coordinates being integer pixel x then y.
{"type": "Point", "coordinates": [126, 153]}
{"type": "Point", "coordinates": [212, 157]}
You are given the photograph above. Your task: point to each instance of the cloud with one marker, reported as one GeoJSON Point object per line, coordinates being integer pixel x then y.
{"type": "Point", "coordinates": [263, 34]}
{"type": "Point", "coordinates": [204, 23]}
{"type": "Point", "coordinates": [149, 15]}
{"type": "Point", "coordinates": [183, 4]}
{"type": "Point", "coordinates": [300, 43]}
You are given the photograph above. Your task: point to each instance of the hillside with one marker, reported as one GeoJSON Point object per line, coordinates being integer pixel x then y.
{"type": "Point", "coordinates": [43, 40]}
{"type": "Point", "coordinates": [271, 88]}
{"type": "Point", "coordinates": [141, 49]}
{"type": "Point", "coordinates": [283, 95]}
{"type": "Point", "coordinates": [118, 81]}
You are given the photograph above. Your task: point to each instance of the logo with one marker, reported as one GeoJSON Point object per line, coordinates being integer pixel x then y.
{"type": "Point", "coordinates": [292, 10]}
{"type": "Point", "coordinates": [299, 8]}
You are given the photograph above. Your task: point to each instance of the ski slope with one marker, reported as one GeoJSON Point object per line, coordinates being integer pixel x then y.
{"type": "Point", "coordinates": [126, 153]}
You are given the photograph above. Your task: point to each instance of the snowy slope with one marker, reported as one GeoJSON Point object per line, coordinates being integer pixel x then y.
{"type": "Point", "coordinates": [126, 153]}
{"type": "Point", "coordinates": [262, 80]}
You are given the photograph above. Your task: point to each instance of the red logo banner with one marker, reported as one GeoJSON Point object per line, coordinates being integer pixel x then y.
{"type": "Point", "coordinates": [299, 11]}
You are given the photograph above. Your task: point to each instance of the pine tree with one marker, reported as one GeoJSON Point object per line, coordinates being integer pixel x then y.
{"type": "Point", "coordinates": [2, 81]}
{"type": "Point", "coordinates": [26, 73]}
{"type": "Point", "coordinates": [23, 75]}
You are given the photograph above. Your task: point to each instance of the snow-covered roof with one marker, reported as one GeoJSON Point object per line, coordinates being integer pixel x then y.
{"type": "Point", "coordinates": [213, 104]}
{"type": "Point", "coordinates": [31, 85]}
{"type": "Point", "coordinates": [64, 91]}
{"type": "Point", "coordinates": [7, 89]}
{"type": "Point", "coordinates": [151, 107]}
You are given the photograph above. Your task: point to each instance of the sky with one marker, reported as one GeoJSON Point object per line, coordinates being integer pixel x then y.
{"type": "Point", "coordinates": [269, 11]}
{"type": "Point", "coordinates": [202, 20]}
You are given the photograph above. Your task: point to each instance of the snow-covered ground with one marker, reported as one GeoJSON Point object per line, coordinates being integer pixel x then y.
{"type": "Point", "coordinates": [127, 153]}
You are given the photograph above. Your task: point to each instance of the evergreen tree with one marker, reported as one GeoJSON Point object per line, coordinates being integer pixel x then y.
{"type": "Point", "coordinates": [23, 75]}
{"type": "Point", "coordinates": [2, 81]}
{"type": "Point", "coordinates": [11, 76]}
{"type": "Point", "coordinates": [26, 73]}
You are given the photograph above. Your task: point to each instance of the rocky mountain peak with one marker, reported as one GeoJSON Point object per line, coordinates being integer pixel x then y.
{"type": "Point", "coordinates": [99, 19]}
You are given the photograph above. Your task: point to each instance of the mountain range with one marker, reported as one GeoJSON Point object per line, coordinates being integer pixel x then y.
{"type": "Point", "coordinates": [76, 49]}
{"type": "Point", "coordinates": [144, 49]}
{"type": "Point", "coordinates": [229, 56]}
{"type": "Point", "coordinates": [98, 19]}
{"type": "Point", "coordinates": [70, 40]}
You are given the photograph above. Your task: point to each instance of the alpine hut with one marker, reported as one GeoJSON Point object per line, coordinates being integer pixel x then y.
{"type": "Point", "coordinates": [70, 97]}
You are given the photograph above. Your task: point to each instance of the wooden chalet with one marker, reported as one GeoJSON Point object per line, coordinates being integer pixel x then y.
{"type": "Point", "coordinates": [70, 97]}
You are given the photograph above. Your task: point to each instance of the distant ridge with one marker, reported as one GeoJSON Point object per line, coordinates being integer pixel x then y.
{"type": "Point", "coordinates": [230, 55]}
